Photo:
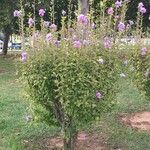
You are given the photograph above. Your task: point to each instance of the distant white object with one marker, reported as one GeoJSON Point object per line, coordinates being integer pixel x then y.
{"type": "Point", "coordinates": [28, 118]}
{"type": "Point", "coordinates": [122, 75]}
{"type": "Point", "coordinates": [1, 44]}
{"type": "Point", "coordinates": [101, 61]}
{"type": "Point", "coordinates": [125, 62]}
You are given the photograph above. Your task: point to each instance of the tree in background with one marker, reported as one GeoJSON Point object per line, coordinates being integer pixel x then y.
{"type": "Point", "coordinates": [84, 6]}
{"type": "Point", "coordinates": [6, 24]}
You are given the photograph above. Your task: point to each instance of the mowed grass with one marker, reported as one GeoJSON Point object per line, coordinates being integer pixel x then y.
{"type": "Point", "coordinates": [120, 136]}
{"type": "Point", "coordinates": [15, 130]}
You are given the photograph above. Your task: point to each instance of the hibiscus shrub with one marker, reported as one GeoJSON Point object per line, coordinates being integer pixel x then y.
{"type": "Point", "coordinates": [69, 85]}
{"type": "Point", "coordinates": [71, 80]}
{"type": "Point", "coordinates": [141, 63]}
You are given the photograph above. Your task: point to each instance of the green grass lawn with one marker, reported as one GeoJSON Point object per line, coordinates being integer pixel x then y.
{"type": "Point", "coordinates": [14, 129]}
{"type": "Point", "coordinates": [13, 126]}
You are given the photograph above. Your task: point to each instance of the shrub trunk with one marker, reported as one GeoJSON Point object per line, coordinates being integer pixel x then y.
{"type": "Point", "coordinates": [70, 139]}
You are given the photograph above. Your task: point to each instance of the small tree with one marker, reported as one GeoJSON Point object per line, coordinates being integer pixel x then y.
{"type": "Point", "coordinates": [71, 82]}
{"type": "Point", "coordinates": [70, 86]}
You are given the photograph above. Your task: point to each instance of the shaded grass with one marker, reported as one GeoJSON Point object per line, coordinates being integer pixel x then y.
{"type": "Point", "coordinates": [14, 129]}
{"type": "Point", "coordinates": [13, 110]}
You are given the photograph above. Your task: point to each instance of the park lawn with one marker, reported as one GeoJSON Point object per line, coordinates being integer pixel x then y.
{"type": "Point", "coordinates": [15, 130]}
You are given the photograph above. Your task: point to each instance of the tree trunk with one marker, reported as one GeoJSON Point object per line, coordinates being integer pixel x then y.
{"type": "Point", "coordinates": [68, 144]}
{"type": "Point", "coordinates": [7, 33]}
{"type": "Point", "coordinates": [84, 6]}
{"type": "Point", "coordinates": [71, 132]}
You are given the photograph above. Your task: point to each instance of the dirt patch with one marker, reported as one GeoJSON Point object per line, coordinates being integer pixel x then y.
{"type": "Point", "coordinates": [140, 120]}
{"type": "Point", "coordinates": [85, 141]}
{"type": "Point", "coordinates": [91, 141]}
{"type": "Point", "coordinates": [2, 71]}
